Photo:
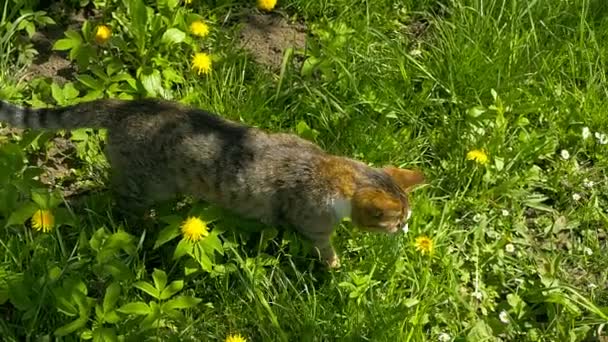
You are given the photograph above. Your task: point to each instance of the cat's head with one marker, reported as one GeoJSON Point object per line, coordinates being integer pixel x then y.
{"type": "Point", "coordinates": [380, 203]}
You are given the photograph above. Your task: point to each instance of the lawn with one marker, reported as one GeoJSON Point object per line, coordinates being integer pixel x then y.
{"type": "Point", "coordinates": [501, 103]}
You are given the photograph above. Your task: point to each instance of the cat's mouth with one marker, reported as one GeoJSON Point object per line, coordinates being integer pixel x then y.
{"type": "Point", "coordinates": [393, 229]}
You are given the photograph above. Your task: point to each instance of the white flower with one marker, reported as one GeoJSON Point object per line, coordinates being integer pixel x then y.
{"type": "Point", "coordinates": [565, 154]}
{"type": "Point", "coordinates": [504, 317]}
{"type": "Point", "coordinates": [592, 286]}
{"type": "Point", "coordinates": [415, 53]}
{"type": "Point", "coordinates": [477, 217]}
{"type": "Point", "coordinates": [477, 295]}
{"type": "Point", "coordinates": [586, 133]}
{"type": "Point", "coordinates": [587, 183]}
{"type": "Point", "coordinates": [509, 248]}
{"type": "Point", "coordinates": [505, 212]}
{"type": "Point", "coordinates": [443, 337]}
{"type": "Point", "coordinates": [576, 197]}
{"type": "Point", "coordinates": [602, 139]}
{"type": "Point", "coordinates": [588, 251]}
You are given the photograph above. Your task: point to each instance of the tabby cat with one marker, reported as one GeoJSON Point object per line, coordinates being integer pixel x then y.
{"type": "Point", "coordinates": [159, 149]}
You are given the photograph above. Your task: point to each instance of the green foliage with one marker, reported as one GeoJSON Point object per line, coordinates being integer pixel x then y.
{"type": "Point", "coordinates": [519, 241]}
{"type": "Point", "coordinates": [145, 54]}
{"type": "Point", "coordinates": [17, 17]}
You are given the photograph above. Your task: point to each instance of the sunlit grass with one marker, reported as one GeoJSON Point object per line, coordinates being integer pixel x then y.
{"type": "Point", "coordinates": [518, 240]}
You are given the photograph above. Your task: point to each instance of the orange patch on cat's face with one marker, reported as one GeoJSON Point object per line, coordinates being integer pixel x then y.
{"type": "Point", "coordinates": [376, 210]}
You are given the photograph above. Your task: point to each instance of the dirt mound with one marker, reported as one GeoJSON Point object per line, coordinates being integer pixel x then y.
{"type": "Point", "coordinates": [267, 37]}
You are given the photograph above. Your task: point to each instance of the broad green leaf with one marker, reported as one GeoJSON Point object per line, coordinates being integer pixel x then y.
{"type": "Point", "coordinates": [111, 317]}
{"type": "Point", "coordinates": [172, 289]}
{"type": "Point", "coordinates": [173, 36]}
{"type": "Point", "coordinates": [83, 54]}
{"type": "Point", "coordinates": [166, 235]}
{"type": "Point", "coordinates": [41, 198]}
{"type": "Point", "coordinates": [54, 273]}
{"type": "Point", "coordinates": [480, 332]}
{"type": "Point", "coordinates": [150, 321]}
{"type": "Point", "coordinates": [73, 35]}
{"type": "Point", "coordinates": [309, 66]}
{"type": "Point", "coordinates": [71, 327]}
{"type": "Point", "coordinates": [101, 334]}
{"type": "Point", "coordinates": [160, 279]}
{"type": "Point", "coordinates": [90, 82]}
{"type": "Point", "coordinates": [19, 294]}
{"type": "Point", "coordinates": [139, 20]}
{"type": "Point", "coordinates": [97, 239]}
{"type": "Point", "coordinates": [183, 247]}
{"type": "Point", "coordinates": [562, 299]}
{"type": "Point", "coordinates": [12, 158]}
{"type": "Point", "coordinates": [63, 217]}
{"type": "Point", "coordinates": [476, 111]}
{"type": "Point", "coordinates": [57, 93]}
{"type": "Point", "coordinates": [86, 335]}
{"type": "Point", "coordinates": [65, 44]}
{"type": "Point", "coordinates": [181, 302]}
{"type": "Point", "coordinates": [64, 304]}
{"type": "Point", "coordinates": [99, 313]}
{"type": "Point", "coordinates": [200, 255]}
{"type": "Point", "coordinates": [135, 308]}
{"type": "Point", "coordinates": [111, 297]}
{"type": "Point", "coordinates": [411, 302]}
{"type": "Point", "coordinates": [171, 75]}
{"type": "Point", "coordinates": [190, 267]}
{"type": "Point", "coordinates": [122, 240]}
{"type": "Point", "coordinates": [9, 197]}
{"type": "Point", "coordinates": [147, 288]}
{"type": "Point", "coordinates": [535, 201]}
{"type": "Point", "coordinates": [173, 314]}
{"type": "Point", "coordinates": [114, 67]}
{"type": "Point", "coordinates": [499, 163]}
{"type": "Point", "coordinates": [151, 81]}
{"type": "Point", "coordinates": [306, 132]}
{"type": "Point", "coordinates": [212, 243]}
{"type": "Point", "coordinates": [22, 214]}
{"type": "Point", "coordinates": [69, 91]}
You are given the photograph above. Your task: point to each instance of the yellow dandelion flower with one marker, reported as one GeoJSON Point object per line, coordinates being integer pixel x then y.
{"type": "Point", "coordinates": [424, 244]}
{"type": "Point", "coordinates": [194, 229]}
{"type": "Point", "coordinates": [43, 220]}
{"type": "Point", "coordinates": [266, 5]}
{"type": "Point", "coordinates": [102, 34]}
{"type": "Point", "coordinates": [201, 62]}
{"type": "Point", "coordinates": [479, 156]}
{"type": "Point", "coordinates": [187, 2]}
{"type": "Point", "coordinates": [235, 338]}
{"type": "Point", "coordinates": [199, 28]}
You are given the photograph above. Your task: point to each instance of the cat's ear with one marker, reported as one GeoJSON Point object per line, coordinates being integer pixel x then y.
{"type": "Point", "coordinates": [405, 178]}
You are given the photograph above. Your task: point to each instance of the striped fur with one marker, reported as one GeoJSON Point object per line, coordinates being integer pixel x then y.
{"type": "Point", "coordinates": [95, 114]}
{"type": "Point", "coordinates": [159, 150]}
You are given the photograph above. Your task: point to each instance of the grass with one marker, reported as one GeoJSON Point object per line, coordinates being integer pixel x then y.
{"type": "Point", "coordinates": [519, 243]}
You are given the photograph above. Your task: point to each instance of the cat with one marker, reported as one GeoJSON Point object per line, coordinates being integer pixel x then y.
{"type": "Point", "coordinates": [160, 149]}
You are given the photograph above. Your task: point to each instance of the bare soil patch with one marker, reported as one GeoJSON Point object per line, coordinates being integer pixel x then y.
{"type": "Point", "coordinates": [50, 63]}
{"type": "Point", "coordinates": [268, 36]}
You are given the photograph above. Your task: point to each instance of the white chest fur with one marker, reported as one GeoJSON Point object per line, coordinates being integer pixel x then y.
{"type": "Point", "coordinates": [406, 227]}
{"type": "Point", "coordinates": [342, 208]}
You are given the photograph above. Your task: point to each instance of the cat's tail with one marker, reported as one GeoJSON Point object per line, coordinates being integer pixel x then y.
{"type": "Point", "coordinates": [93, 114]}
